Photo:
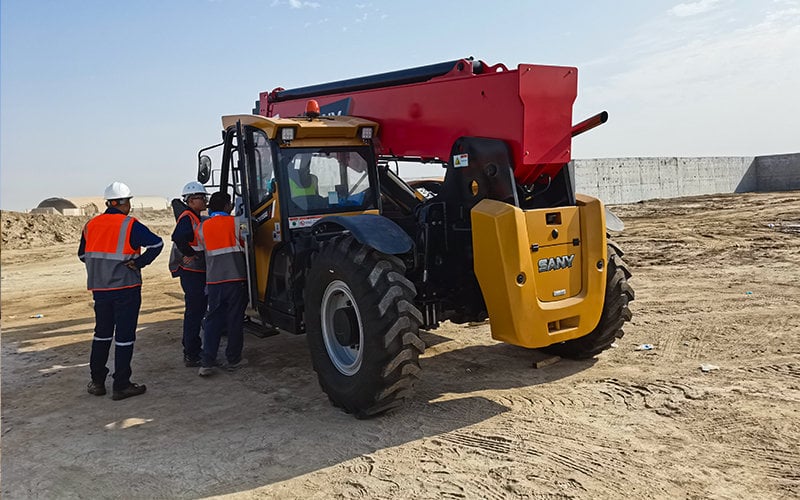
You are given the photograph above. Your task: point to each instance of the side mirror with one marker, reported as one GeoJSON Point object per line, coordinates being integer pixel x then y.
{"type": "Point", "coordinates": [204, 169]}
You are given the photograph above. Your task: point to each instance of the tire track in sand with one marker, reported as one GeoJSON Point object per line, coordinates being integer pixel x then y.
{"type": "Point", "coordinates": [783, 370]}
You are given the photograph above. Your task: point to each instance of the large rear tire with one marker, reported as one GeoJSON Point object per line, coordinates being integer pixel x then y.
{"type": "Point", "coordinates": [362, 327]}
{"type": "Point", "coordinates": [615, 313]}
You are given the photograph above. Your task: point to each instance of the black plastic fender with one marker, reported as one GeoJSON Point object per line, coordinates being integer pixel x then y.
{"type": "Point", "coordinates": [374, 231]}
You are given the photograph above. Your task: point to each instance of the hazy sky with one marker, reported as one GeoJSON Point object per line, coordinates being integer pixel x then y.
{"type": "Point", "coordinates": [93, 91]}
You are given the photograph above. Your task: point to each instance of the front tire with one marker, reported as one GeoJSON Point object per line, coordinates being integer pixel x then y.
{"type": "Point", "coordinates": [362, 327]}
{"type": "Point", "coordinates": [615, 313]}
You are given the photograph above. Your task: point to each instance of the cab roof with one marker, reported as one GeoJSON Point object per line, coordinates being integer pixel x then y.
{"type": "Point", "coordinates": [325, 127]}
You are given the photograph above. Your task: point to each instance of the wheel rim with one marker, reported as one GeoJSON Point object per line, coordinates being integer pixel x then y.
{"type": "Point", "coordinates": [340, 312]}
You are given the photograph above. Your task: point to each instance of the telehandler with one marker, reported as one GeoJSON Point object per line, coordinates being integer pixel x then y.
{"type": "Point", "coordinates": [341, 248]}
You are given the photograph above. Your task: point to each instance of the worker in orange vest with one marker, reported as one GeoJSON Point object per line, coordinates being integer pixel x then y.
{"type": "Point", "coordinates": [110, 247]}
{"type": "Point", "coordinates": [226, 277]}
{"type": "Point", "coordinates": [187, 262]}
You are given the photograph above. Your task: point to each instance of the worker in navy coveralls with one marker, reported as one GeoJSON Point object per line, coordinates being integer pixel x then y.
{"type": "Point", "coordinates": [111, 246]}
{"type": "Point", "coordinates": [226, 276]}
{"type": "Point", "coordinates": [187, 262]}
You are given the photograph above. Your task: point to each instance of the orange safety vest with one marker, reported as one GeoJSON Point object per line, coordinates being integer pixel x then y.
{"type": "Point", "coordinates": [197, 265]}
{"type": "Point", "coordinates": [225, 260]}
{"type": "Point", "coordinates": [107, 248]}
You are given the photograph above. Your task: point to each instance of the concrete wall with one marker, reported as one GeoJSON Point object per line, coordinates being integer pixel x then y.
{"type": "Point", "coordinates": [627, 180]}
{"type": "Point", "coordinates": [778, 172]}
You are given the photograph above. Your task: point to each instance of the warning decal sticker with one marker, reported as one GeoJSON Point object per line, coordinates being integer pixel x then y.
{"type": "Point", "coordinates": [301, 222]}
{"type": "Point", "coordinates": [461, 161]}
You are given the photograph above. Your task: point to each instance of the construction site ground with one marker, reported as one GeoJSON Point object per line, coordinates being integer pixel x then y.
{"type": "Point", "coordinates": [717, 281]}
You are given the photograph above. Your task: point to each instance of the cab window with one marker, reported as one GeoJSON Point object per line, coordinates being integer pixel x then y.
{"type": "Point", "coordinates": [327, 181]}
{"type": "Point", "coordinates": [263, 170]}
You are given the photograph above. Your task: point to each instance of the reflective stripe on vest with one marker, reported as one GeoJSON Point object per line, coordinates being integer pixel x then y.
{"type": "Point", "coordinates": [225, 259]}
{"type": "Point", "coordinates": [108, 247]}
{"type": "Point", "coordinates": [197, 265]}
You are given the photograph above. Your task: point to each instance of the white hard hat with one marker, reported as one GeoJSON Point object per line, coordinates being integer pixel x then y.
{"type": "Point", "coordinates": [117, 191]}
{"type": "Point", "coordinates": [193, 187]}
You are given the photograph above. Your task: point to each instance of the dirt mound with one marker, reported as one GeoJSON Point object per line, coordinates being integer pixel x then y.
{"type": "Point", "coordinates": [21, 230]}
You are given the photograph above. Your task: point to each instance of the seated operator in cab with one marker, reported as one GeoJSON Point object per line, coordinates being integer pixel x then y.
{"type": "Point", "coordinates": [304, 186]}
{"type": "Point", "coordinates": [301, 181]}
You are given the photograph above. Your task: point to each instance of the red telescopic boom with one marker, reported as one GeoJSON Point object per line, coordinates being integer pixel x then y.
{"type": "Point", "coordinates": [423, 111]}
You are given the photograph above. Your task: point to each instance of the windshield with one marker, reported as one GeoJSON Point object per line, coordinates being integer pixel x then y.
{"type": "Point", "coordinates": [327, 181]}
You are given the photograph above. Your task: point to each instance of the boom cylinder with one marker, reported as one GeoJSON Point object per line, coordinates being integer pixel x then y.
{"type": "Point", "coordinates": [390, 79]}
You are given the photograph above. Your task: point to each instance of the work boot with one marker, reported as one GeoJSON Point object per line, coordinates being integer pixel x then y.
{"type": "Point", "coordinates": [96, 388]}
{"type": "Point", "coordinates": [235, 366]}
{"type": "Point", "coordinates": [190, 362]}
{"type": "Point", "coordinates": [128, 392]}
{"type": "Point", "coordinates": [206, 371]}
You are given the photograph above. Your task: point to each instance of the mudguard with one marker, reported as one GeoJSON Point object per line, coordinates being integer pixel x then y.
{"type": "Point", "coordinates": [374, 231]}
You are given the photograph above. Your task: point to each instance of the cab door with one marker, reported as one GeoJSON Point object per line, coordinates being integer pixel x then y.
{"type": "Point", "coordinates": [261, 205]}
{"type": "Point", "coordinates": [243, 210]}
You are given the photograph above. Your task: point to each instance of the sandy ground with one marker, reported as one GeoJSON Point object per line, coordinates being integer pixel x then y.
{"type": "Point", "coordinates": [716, 282]}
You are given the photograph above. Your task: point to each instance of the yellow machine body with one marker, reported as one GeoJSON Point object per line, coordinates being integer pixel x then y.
{"type": "Point", "coordinates": [542, 272]}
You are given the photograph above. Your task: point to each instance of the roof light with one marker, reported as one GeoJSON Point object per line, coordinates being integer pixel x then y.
{"type": "Point", "coordinates": [312, 108]}
{"type": "Point", "coordinates": [287, 134]}
{"type": "Point", "coordinates": [366, 133]}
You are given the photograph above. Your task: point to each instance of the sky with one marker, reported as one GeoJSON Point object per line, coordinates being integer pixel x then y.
{"type": "Point", "coordinates": [93, 91]}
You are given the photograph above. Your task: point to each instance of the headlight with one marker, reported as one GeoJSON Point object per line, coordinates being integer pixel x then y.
{"type": "Point", "coordinates": [287, 134]}
{"type": "Point", "coordinates": [366, 133]}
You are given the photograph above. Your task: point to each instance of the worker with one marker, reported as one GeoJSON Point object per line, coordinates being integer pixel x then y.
{"type": "Point", "coordinates": [110, 247]}
{"type": "Point", "coordinates": [301, 181]}
{"type": "Point", "coordinates": [226, 277]}
{"type": "Point", "coordinates": [187, 262]}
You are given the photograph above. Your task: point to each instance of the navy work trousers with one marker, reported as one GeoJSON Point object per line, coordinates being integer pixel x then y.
{"type": "Point", "coordinates": [194, 294]}
{"type": "Point", "coordinates": [226, 305]}
{"type": "Point", "coordinates": [116, 313]}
